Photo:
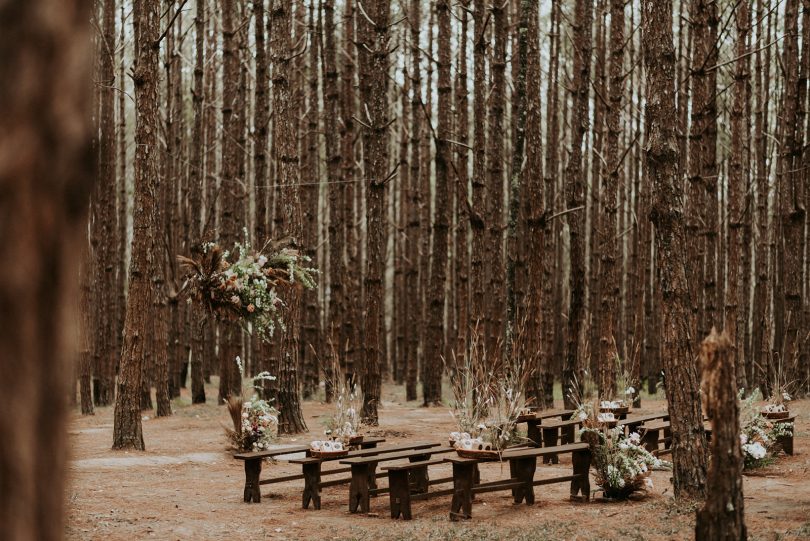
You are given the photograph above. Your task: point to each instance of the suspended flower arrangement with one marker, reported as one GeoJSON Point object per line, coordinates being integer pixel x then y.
{"type": "Point", "coordinates": [242, 285]}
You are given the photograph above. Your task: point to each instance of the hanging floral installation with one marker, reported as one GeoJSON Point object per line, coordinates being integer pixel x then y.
{"type": "Point", "coordinates": [242, 285]}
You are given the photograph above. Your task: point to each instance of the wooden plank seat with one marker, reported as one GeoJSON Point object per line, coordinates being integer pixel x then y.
{"type": "Point", "coordinates": [533, 432]}
{"type": "Point", "coordinates": [522, 467]}
{"type": "Point", "coordinates": [312, 470]}
{"type": "Point", "coordinates": [558, 433]}
{"type": "Point", "coordinates": [364, 474]}
{"type": "Point", "coordinates": [253, 466]}
{"type": "Point", "coordinates": [633, 423]}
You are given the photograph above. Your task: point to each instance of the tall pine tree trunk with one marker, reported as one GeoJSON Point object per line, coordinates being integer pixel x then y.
{"type": "Point", "coordinates": [683, 395]}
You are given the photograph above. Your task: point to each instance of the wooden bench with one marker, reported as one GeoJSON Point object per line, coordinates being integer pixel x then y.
{"type": "Point", "coordinates": [364, 474]}
{"type": "Point", "coordinates": [558, 433]}
{"type": "Point", "coordinates": [312, 472]}
{"type": "Point", "coordinates": [658, 432]}
{"type": "Point", "coordinates": [522, 467]}
{"type": "Point", "coordinates": [632, 424]}
{"type": "Point", "coordinates": [253, 466]}
{"type": "Point", "coordinates": [533, 432]}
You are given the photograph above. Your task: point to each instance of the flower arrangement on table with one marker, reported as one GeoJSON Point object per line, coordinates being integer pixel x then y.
{"type": "Point", "coordinates": [759, 435]}
{"type": "Point", "coordinates": [489, 398]}
{"type": "Point", "coordinates": [242, 285]}
{"type": "Point", "coordinates": [621, 465]}
{"type": "Point", "coordinates": [255, 422]}
{"type": "Point", "coordinates": [343, 425]}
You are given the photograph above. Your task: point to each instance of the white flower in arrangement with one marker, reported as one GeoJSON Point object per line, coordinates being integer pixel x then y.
{"type": "Point", "coordinates": [262, 260]}
{"type": "Point", "coordinates": [630, 390]}
{"type": "Point", "coordinates": [756, 450]}
{"type": "Point", "coordinates": [634, 438]}
{"type": "Point", "coordinates": [743, 439]}
{"type": "Point", "coordinates": [786, 396]}
{"type": "Point", "coordinates": [583, 415]}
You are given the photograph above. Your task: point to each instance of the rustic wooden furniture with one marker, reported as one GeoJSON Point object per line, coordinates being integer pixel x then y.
{"type": "Point", "coordinates": [253, 466]}
{"type": "Point", "coordinates": [312, 471]}
{"type": "Point", "coordinates": [364, 474]}
{"type": "Point", "coordinates": [634, 422]}
{"type": "Point", "coordinates": [522, 466]}
{"type": "Point", "coordinates": [533, 424]}
{"type": "Point", "coordinates": [558, 433]}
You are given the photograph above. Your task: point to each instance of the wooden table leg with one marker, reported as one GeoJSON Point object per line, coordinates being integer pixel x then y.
{"type": "Point", "coordinates": [568, 434]}
{"type": "Point", "coordinates": [523, 469]}
{"type": "Point", "coordinates": [419, 476]}
{"type": "Point", "coordinates": [461, 506]}
{"type": "Point", "coordinates": [550, 438]}
{"type": "Point", "coordinates": [581, 484]}
{"type": "Point", "coordinates": [253, 468]}
{"type": "Point", "coordinates": [400, 494]}
{"type": "Point", "coordinates": [359, 489]}
{"type": "Point", "coordinates": [312, 485]}
{"type": "Point", "coordinates": [533, 433]}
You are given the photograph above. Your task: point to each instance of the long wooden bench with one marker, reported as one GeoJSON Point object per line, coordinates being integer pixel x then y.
{"type": "Point", "coordinates": [558, 433]}
{"type": "Point", "coordinates": [533, 432]}
{"type": "Point", "coordinates": [522, 467]}
{"type": "Point", "coordinates": [253, 466]}
{"type": "Point", "coordinates": [312, 472]}
{"type": "Point", "coordinates": [364, 474]}
{"type": "Point", "coordinates": [633, 423]}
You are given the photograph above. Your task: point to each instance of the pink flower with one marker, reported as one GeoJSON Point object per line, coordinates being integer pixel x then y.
{"type": "Point", "coordinates": [251, 308]}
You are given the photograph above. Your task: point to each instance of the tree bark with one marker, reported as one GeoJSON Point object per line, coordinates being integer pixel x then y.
{"type": "Point", "coordinates": [288, 215]}
{"type": "Point", "coordinates": [722, 515]}
{"type": "Point", "coordinates": [575, 195]}
{"type": "Point", "coordinates": [683, 398]}
{"type": "Point", "coordinates": [372, 50]}
{"type": "Point", "coordinates": [434, 346]}
{"type": "Point", "coordinates": [45, 119]}
{"type": "Point", "coordinates": [138, 326]}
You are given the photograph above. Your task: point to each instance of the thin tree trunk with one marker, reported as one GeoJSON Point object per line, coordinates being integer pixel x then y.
{"type": "Point", "coordinates": [373, 65]}
{"type": "Point", "coordinates": [575, 195]}
{"type": "Point", "coordinates": [288, 214]}
{"type": "Point", "coordinates": [683, 398]}
{"type": "Point", "coordinates": [138, 326]}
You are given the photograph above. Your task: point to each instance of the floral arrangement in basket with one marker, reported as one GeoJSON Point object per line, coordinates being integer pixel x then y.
{"type": "Point", "coordinates": [241, 285]}
{"type": "Point", "coordinates": [344, 423]}
{"type": "Point", "coordinates": [621, 465]}
{"type": "Point", "coordinates": [781, 389]}
{"type": "Point", "coordinates": [759, 435]}
{"type": "Point", "coordinates": [255, 423]}
{"type": "Point", "coordinates": [489, 398]}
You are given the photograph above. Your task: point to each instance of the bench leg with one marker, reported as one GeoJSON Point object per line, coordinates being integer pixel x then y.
{"type": "Point", "coordinates": [550, 438]}
{"type": "Point", "coordinates": [568, 434]}
{"type": "Point", "coordinates": [650, 440]}
{"type": "Point", "coordinates": [312, 485]}
{"type": "Point", "coordinates": [358, 490]}
{"type": "Point", "coordinates": [419, 476]}
{"type": "Point", "coordinates": [533, 433]}
{"type": "Point", "coordinates": [523, 470]}
{"type": "Point", "coordinates": [253, 468]}
{"type": "Point", "coordinates": [400, 494]}
{"type": "Point", "coordinates": [582, 465]}
{"type": "Point", "coordinates": [461, 506]}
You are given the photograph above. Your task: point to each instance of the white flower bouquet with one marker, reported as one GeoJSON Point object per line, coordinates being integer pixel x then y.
{"type": "Point", "coordinates": [622, 466]}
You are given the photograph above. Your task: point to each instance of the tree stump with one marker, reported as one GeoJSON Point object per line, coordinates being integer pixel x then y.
{"type": "Point", "coordinates": [721, 517]}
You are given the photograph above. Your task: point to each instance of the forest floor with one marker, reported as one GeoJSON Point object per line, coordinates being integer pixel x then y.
{"type": "Point", "coordinates": [186, 486]}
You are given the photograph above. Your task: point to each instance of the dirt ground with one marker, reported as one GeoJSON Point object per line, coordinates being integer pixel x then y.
{"type": "Point", "coordinates": [186, 486]}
